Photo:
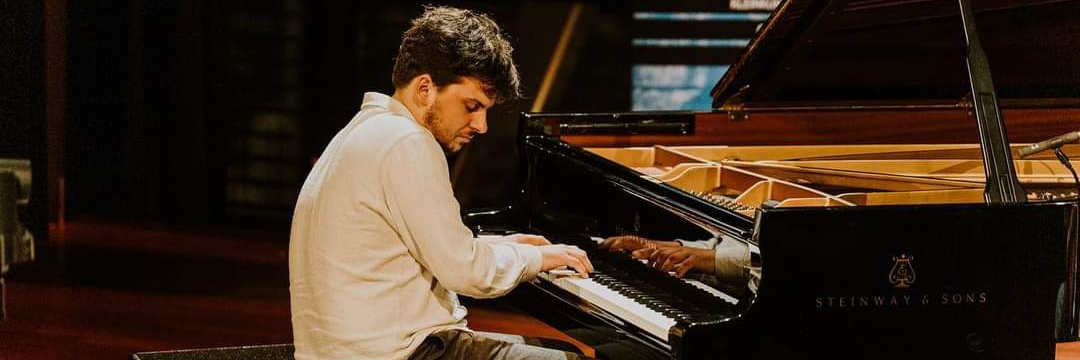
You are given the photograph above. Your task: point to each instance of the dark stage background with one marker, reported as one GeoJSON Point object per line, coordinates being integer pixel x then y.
{"type": "Point", "coordinates": [212, 112]}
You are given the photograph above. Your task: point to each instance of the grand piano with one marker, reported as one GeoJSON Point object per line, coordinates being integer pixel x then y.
{"type": "Point", "coordinates": [860, 152]}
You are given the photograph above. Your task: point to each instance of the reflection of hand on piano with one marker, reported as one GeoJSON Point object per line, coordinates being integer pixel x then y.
{"type": "Point", "coordinates": [633, 242]}
{"type": "Point", "coordinates": [678, 259]}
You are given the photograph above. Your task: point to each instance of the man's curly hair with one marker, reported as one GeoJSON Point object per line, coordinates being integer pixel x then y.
{"type": "Point", "coordinates": [450, 43]}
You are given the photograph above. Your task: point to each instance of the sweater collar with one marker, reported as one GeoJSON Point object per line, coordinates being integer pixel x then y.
{"type": "Point", "coordinates": [386, 102]}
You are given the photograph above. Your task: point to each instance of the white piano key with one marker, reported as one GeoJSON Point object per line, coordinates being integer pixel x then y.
{"type": "Point", "coordinates": [618, 304]}
{"type": "Point", "coordinates": [711, 290]}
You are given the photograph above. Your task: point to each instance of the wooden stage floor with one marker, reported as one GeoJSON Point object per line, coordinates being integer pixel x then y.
{"type": "Point", "coordinates": [106, 289]}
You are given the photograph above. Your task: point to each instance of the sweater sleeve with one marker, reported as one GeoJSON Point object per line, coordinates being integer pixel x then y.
{"type": "Point", "coordinates": [699, 244]}
{"type": "Point", "coordinates": [732, 261]}
{"type": "Point", "coordinates": [426, 215]}
{"type": "Point", "coordinates": [733, 267]}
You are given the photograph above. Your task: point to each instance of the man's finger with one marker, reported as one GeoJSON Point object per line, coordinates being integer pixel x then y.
{"type": "Point", "coordinates": [582, 257]}
{"type": "Point", "coordinates": [643, 253]}
{"type": "Point", "coordinates": [587, 262]}
{"type": "Point", "coordinates": [607, 243]}
{"type": "Point", "coordinates": [614, 243]}
{"type": "Point", "coordinates": [682, 268]}
{"type": "Point", "coordinates": [659, 258]}
{"type": "Point", "coordinates": [669, 264]}
{"type": "Point", "coordinates": [680, 256]}
{"type": "Point", "coordinates": [579, 267]}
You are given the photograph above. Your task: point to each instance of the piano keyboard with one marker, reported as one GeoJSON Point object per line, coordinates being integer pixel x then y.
{"type": "Point", "coordinates": [638, 294]}
{"type": "Point", "coordinates": [623, 307]}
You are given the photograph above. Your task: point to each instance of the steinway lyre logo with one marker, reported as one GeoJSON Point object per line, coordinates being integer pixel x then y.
{"type": "Point", "coordinates": [902, 274]}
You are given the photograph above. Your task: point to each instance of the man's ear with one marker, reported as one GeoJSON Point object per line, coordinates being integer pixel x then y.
{"type": "Point", "coordinates": [425, 90]}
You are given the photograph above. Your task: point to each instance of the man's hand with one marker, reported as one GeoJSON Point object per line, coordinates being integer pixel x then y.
{"type": "Point", "coordinates": [528, 239]}
{"type": "Point", "coordinates": [633, 243]}
{"type": "Point", "coordinates": [679, 259]}
{"type": "Point", "coordinates": [556, 256]}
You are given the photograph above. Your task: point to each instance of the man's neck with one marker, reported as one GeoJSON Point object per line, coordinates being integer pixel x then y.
{"type": "Point", "coordinates": [410, 104]}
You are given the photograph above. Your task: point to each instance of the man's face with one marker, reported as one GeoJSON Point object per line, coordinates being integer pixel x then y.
{"type": "Point", "coordinates": [458, 113]}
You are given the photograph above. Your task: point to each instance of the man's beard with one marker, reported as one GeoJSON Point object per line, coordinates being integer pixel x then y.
{"type": "Point", "coordinates": [442, 135]}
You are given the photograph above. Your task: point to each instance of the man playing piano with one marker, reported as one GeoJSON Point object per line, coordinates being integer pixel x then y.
{"type": "Point", "coordinates": [378, 251]}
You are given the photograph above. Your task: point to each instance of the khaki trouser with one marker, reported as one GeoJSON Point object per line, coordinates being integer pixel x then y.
{"type": "Point", "coordinates": [465, 345]}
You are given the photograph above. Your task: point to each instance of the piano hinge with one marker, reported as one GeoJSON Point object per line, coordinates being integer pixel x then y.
{"type": "Point", "coordinates": [966, 102]}
{"type": "Point", "coordinates": [733, 105]}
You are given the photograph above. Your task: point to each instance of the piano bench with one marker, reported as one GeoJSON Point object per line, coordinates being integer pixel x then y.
{"type": "Point", "coordinates": [255, 352]}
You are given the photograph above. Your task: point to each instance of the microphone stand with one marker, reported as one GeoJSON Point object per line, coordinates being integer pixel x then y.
{"type": "Point", "coordinates": [1064, 159]}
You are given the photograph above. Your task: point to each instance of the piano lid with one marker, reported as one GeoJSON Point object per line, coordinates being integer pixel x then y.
{"type": "Point", "coordinates": [907, 50]}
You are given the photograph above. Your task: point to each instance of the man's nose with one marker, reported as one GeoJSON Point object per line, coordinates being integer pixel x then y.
{"type": "Point", "coordinates": [479, 122]}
